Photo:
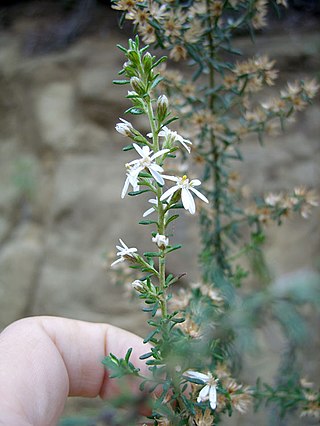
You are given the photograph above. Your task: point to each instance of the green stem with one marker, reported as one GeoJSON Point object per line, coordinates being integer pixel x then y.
{"type": "Point", "coordinates": [217, 242]}
{"type": "Point", "coordinates": [161, 213]}
{"type": "Point", "coordinates": [282, 395]}
{"type": "Point", "coordinates": [155, 137]}
{"type": "Point", "coordinates": [162, 259]}
{"type": "Point", "coordinates": [161, 229]}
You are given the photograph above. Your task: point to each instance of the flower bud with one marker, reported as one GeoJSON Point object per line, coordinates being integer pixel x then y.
{"type": "Point", "coordinates": [137, 85]}
{"type": "Point", "coordinates": [162, 107]}
{"type": "Point", "coordinates": [129, 69]}
{"type": "Point", "coordinates": [161, 240]}
{"type": "Point", "coordinates": [133, 56]}
{"type": "Point", "coordinates": [125, 128]}
{"type": "Point", "coordinates": [147, 62]}
{"type": "Point", "coordinates": [138, 286]}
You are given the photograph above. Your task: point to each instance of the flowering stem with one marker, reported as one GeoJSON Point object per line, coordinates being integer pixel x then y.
{"type": "Point", "coordinates": [161, 213]}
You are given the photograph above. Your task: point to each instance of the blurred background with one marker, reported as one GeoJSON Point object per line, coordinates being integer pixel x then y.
{"type": "Point", "coordinates": [61, 166]}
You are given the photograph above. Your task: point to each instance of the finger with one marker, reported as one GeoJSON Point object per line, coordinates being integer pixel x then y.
{"type": "Point", "coordinates": [45, 359]}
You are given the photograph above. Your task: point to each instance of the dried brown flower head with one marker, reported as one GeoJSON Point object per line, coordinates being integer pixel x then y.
{"type": "Point", "coordinates": [204, 418]}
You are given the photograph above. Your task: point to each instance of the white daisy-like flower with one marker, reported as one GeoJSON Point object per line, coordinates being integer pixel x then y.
{"type": "Point", "coordinates": [152, 209]}
{"type": "Point", "coordinates": [161, 240]}
{"type": "Point", "coordinates": [131, 179]}
{"type": "Point", "coordinates": [273, 199]}
{"type": "Point", "coordinates": [147, 162]}
{"type": "Point", "coordinates": [173, 136]}
{"type": "Point", "coordinates": [209, 391]}
{"type": "Point", "coordinates": [125, 128]}
{"type": "Point", "coordinates": [124, 252]}
{"type": "Point", "coordinates": [186, 186]}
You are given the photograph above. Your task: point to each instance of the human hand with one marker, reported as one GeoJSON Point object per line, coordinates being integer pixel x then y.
{"type": "Point", "coordinates": [43, 360]}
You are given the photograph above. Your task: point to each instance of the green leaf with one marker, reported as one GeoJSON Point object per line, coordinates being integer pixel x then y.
{"type": "Point", "coordinates": [176, 247]}
{"type": "Point", "coordinates": [171, 219]}
{"type": "Point", "coordinates": [145, 175]}
{"type": "Point", "coordinates": [129, 351]}
{"type": "Point", "coordinates": [177, 206]}
{"type": "Point", "coordinates": [178, 320]}
{"type": "Point", "coordinates": [166, 123]}
{"type": "Point", "coordinates": [123, 49]}
{"type": "Point", "coordinates": [231, 49]}
{"type": "Point", "coordinates": [149, 309]}
{"type": "Point", "coordinates": [153, 323]}
{"type": "Point", "coordinates": [120, 82]}
{"type": "Point", "coordinates": [146, 269]}
{"type": "Point", "coordinates": [127, 148]}
{"type": "Point", "coordinates": [169, 278]}
{"type": "Point", "coordinates": [148, 222]}
{"type": "Point", "coordinates": [159, 61]}
{"type": "Point", "coordinates": [135, 111]}
{"type": "Point", "coordinates": [156, 81]}
{"type": "Point", "coordinates": [134, 193]}
{"type": "Point", "coordinates": [152, 254]}
{"type": "Point", "coordinates": [140, 139]}
{"type": "Point", "coordinates": [154, 362]}
{"type": "Point", "coordinates": [151, 335]}
{"type": "Point", "coordinates": [146, 356]}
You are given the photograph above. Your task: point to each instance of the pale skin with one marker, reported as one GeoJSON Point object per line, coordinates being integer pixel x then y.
{"type": "Point", "coordinates": [43, 360]}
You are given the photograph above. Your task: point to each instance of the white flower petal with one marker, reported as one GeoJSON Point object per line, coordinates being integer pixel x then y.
{"type": "Point", "coordinates": [123, 252]}
{"type": "Point", "coordinates": [173, 178]}
{"type": "Point", "coordinates": [156, 167]}
{"type": "Point", "coordinates": [186, 146]}
{"type": "Point", "coordinates": [153, 200]}
{"type": "Point", "coordinates": [197, 375]}
{"type": "Point", "coordinates": [125, 187]}
{"type": "Point", "coordinates": [149, 211]}
{"type": "Point", "coordinates": [139, 150]}
{"type": "Point", "coordinates": [131, 250]}
{"type": "Point", "coordinates": [184, 142]}
{"type": "Point", "coordinates": [204, 394]}
{"type": "Point", "coordinates": [132, 179]}
{"type": "Point", "coordinates": [169, 192]}
{"type": "Point", "coordinates": [195, 182]}
{"type": "Point", "coordinates": [123, 244]}
{"type": "Point", "coordinates": [201, 196]}
{"type": "Point", "coordinates": [157, 154]}
{"type": "Point", "coordinates": [213, 397]}
{"type": "Point", "coordinates": [135, 171]}
{"type": "Point", "coordinates": [117, 261]}
{"type": "Point", "coordinates": [134, 163]}
{"type": "Point", "coordinates": [164, 132]}
{"type": "Point", "coordinates": [187, 200]}
{"type": "Point", "coordinates": [146, 151]}
{"type": "Point", "coordinates": [156, 175]}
